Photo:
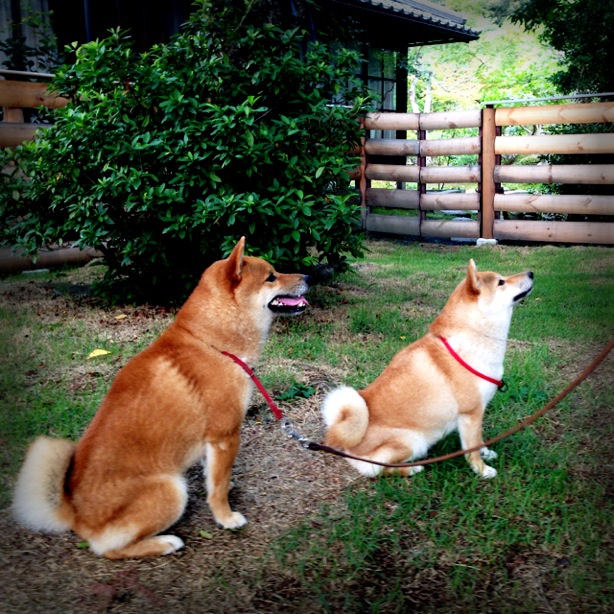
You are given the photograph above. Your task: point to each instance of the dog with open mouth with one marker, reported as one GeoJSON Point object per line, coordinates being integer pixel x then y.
{"type": "Point", "coordinates": [438, 384]}
{"type": "Point", "coordinates": [180, 400]}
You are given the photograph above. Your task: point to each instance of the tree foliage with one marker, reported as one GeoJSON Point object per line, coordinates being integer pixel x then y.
{"type": "Point", "coordinates": [164, 158]}
{"type": "Point", "coordinates": [505, 63]}
{"type": "Point", "coordinates": [583, 30]}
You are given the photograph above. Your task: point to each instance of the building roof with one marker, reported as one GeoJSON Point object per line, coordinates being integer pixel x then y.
{"type": "Point", "coordinates": [404, 23]}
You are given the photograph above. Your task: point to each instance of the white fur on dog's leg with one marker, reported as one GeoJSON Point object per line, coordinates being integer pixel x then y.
{"type": "Point", "coordinates": [236, 521]}
{"type": "Point", "coordinates": [488, 473]}
{"type": "Point", "coordinates": [174, 543]}
{"type": "Point", "coordinates": [488, 454]}
{"type": "Point", "coordinates": [417, 469]}
{"type": "Point", "coordinates": [203, 462]}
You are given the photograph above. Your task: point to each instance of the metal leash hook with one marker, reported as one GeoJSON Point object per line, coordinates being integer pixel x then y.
{"type": "Point", "coordinates": [288, 429]}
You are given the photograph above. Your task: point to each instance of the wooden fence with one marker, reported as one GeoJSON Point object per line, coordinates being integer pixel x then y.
{"type": "Point", "coordinates": [387, 160]}
{"type": "Point", "coordinates": [17, 95]}
{"type": "Point", "coordinates": [489, 203]}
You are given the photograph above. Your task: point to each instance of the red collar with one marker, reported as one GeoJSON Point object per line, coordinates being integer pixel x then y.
{"type": "Point", "coordinates": [500, 384]}
{"type": "Point", "coordinates": [258, 383]}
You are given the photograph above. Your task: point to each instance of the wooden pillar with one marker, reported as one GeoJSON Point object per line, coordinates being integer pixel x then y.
{"type": "Point", "coordinates": [362, 177]}
{"type": "Point", "coordinates": [13, 116]}
{"type": "Point", "coordinates": [421, 184]}
{"type": "Point", "coordinates": [488, 187]}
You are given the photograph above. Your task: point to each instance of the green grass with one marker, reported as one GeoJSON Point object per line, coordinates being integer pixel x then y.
{"type": "Point", "coordinates": [47, 384]}
{"type": "Point", "coordinates": [392, 301]}
{"type": "Point", "coordinates": [533, 539]}
{"type": "Point", "coordinates": [444, 540]}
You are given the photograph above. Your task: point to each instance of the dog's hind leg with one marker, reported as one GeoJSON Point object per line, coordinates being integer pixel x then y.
{"type": "Point", "coordinates": [470, 431]}
{"type": "Point", "coordinates": [157, 504]}
{"type": "Point", "coordinates": [400, 453]}
{"type": "Point", "coordinates": [390, 452]}
{"type": "Point", "coordinates": [150, 546]}
{"type": "Point", "coordinates": [218, 471]}
{"type": "Point", "coordinates": [403, 471]}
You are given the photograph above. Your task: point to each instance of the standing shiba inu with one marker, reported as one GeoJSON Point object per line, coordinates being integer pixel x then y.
{"type": "Point", "coordinates": [439, 384]}
{"type": "Point", "coordinates": [173, 404]}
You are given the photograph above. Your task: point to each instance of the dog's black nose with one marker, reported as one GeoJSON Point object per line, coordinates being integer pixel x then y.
{"type": "Point", "coordinates": [530, 274]}
{"type": "Point", "coordinates": [321, 273]}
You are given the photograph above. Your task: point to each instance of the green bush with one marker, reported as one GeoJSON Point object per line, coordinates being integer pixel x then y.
{"type": "Point", "coordinates": [163, 159]}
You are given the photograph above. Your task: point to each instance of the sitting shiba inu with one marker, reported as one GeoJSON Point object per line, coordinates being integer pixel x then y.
{"type": "Point", "coordinates": [172, 404]}
{"type": "Point", "coordinates": [436, 385]}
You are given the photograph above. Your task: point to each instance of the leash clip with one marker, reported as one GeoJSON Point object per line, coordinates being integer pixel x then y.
{"type": "Point", "coordinates": [288, 429]}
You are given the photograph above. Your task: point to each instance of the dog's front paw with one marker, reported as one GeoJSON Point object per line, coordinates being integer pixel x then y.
{"type": "Point", "coordinates": [488, 454]}
{"type": "Point", "coordinates": [236, 520]}
{"type": "Point", "coordinates": [488, 472]}
{"type": "Point", "coordinates": [174, 543]}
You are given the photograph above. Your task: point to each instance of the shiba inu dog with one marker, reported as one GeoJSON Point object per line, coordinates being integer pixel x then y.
{"type": "Point", "coordinates": [436, 385]}
{"type": "Point", "coordinates": [175, 403]}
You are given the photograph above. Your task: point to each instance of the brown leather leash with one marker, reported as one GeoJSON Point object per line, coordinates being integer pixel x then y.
{"type": "Point", "coordinates": [287, 427]}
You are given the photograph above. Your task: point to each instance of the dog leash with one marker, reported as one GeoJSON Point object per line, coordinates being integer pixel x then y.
{"type": "Point", "coordinates": [286, 424]}
{"type": "Point", "coordinates": [263, 390]}
{"type": "Point", "coordinates": [288, 429]}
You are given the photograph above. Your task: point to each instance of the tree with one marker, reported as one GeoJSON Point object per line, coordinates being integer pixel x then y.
{"type": "Point", "coordinates": [505, 62]}
{"type": "Point", "coordinates": [583, 30]}
{"type": "Point", "coordinates": [164, 158]}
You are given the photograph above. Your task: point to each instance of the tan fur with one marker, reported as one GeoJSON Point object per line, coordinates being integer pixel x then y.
{"type": "Point", "coordinates": [170, 406]}
{"type": "Point", "coordinates": [424, 393]}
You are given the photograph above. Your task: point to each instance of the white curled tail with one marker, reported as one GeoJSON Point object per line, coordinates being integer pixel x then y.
{"type": "Point", "coordinates": [38, 499]}
{"type": "Point", "coordinates": [346, 415]}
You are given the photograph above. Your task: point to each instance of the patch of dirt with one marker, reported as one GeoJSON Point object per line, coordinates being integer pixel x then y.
{"type": "Point", "coordinates": [278, 485]}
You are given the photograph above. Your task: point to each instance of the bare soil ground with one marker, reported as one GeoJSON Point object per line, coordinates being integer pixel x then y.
{"type": "Point", "coordinates": [277, 485]}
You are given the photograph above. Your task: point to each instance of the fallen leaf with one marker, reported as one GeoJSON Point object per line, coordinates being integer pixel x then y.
{"type": "Point", "coordinates": [121, 316]}
{"type": "Point", "coordinates": [96, 353]}
{"type": "Point", "coordinates": [206, 534]}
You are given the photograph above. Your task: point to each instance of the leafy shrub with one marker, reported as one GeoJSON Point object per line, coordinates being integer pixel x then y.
{"type": "Point", "coordinates": [163, 159]}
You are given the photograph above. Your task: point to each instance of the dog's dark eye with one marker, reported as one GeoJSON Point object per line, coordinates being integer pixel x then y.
{"type": "Point", "coordinates": [502, 282]}
{"type": "Point", "coordinates": [271, 278]}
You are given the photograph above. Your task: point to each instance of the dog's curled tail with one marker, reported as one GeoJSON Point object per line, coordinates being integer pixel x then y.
{"type": "Point", "coordinates": [38, 499]}
{"type": "Point", "coordinates": [346, 415]}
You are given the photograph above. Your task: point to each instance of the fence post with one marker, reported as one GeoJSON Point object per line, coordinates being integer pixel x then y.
{"type": "Point", "coordinates": [487, 200]}
{"type": "Point", "coordinates": [362, 176]}
{"type": "Point", "coordinates": [421, 161]}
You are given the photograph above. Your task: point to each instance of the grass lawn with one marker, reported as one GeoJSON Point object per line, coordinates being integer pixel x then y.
{"type": "Point", "coordinates": [537, 538]}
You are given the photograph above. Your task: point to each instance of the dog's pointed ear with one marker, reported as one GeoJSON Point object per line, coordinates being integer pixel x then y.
{"type": "Point", "coordinates": [235, 260]}
{"type": "Point", "coordinates": [473, 282]}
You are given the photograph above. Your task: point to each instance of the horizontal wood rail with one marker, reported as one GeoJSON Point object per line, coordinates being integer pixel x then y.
{"type": "Point", "coordinates": [28, 94]}
{"type": "Point", "coordinates": [585, 113]}
{"type": "Point", "coordinates": [555, 144]}
{"type": "Point", "coordinates": [597, 174]}
{"type": "Point", "coordinates": [13, 134]}
{"type": "Point", "coordinates": [546, 203]}
{"type": "Point", "coordinates": [16, 96]}
{"type": "Point", "coordinates": [597, 233]}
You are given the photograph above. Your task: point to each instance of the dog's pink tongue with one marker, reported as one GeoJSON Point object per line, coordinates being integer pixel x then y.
{"type": "Point", "coordinates": [293, 302]}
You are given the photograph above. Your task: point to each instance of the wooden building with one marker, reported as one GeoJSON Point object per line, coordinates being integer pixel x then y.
{"type": "Point", "coordinates": [384, 29]}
